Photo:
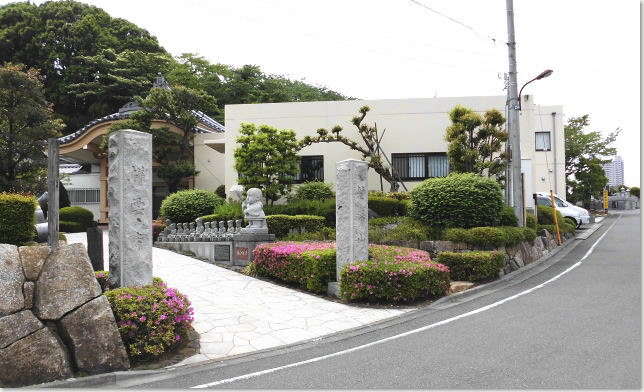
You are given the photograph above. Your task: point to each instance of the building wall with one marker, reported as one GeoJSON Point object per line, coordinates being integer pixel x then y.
{"type": "Point", "coordinates": [80, 186]}
{"type": "Point", "coordinates": [209, 162]}
{"type": "Point", "coordinates": [412, 125]}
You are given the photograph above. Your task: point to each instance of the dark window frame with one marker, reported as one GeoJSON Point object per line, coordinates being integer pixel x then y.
{"type": "Point", "coordinates": [549, 141]}
{"type": "Point", "coordinates": [319, 172]}
{"type": "Point", "coordinates": [408, 155]}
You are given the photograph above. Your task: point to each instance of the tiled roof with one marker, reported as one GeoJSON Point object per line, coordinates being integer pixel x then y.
{"type": "Point", "coordinates": [121, 115]}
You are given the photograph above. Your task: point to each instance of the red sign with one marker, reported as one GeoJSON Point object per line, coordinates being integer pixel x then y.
{"type": "Point", "coordinates": [241, 254]}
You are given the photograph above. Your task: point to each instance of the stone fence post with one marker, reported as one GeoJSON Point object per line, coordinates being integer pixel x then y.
{"type": "Point", "coordinates": [351, 216]}
{"type": "Point", "coordinates": [129, 195]}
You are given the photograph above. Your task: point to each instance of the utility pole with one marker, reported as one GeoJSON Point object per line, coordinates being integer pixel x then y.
{"type": "Point", "coordinates": [513, 120]}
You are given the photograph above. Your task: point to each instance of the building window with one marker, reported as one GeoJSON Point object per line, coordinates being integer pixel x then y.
{"type": "Point", "coordinates": [84, 196]}
{"type": "Point", "coordinates": [418, 166]}
{"type": "Point", "coordinates": [311, 168]}
{"type": "Point", "coordinates": [542, 141]}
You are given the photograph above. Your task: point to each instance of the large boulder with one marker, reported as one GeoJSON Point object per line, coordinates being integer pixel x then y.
{"type": "Point", "coordinates": [67, 281]}
{"type": "Point", "coordinates": [94, 338]}
{"type": "Point", "coordinates": [34, 359]}
{"type": "Point", "coordinates": [11, 280]}
{"type": "Point", "coordinates": [16, 326]}
{"type": "Point", "coordinates": [33, 258]}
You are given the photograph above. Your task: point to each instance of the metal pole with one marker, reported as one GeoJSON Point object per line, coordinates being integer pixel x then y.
{"type": "Point", "coordinates": [52, 192]}
{"type": "Point", "coordinates": [513, 119]}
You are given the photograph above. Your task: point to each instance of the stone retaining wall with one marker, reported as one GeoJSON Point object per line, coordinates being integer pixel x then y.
{"type": "Point", "coordinates": [54, 320]}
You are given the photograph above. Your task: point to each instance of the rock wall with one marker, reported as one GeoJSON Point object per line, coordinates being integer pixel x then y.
{"type": "Point", "coordinates": [54, 320]}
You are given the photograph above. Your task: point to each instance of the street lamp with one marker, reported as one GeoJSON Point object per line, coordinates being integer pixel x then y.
{"type": "Point", "coordinates": [542, 75]}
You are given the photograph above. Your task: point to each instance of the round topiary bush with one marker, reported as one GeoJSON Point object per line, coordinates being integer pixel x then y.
{"type": "Point", "coordinates": [79, 215]}
{"type": "Point", "coordinates": [314, 190]}
{"type": "Point", "coordinates": [188, 205]}
{"type": "Point", "coordinates": [458, 200]}
{"type": "Point", "coordinates": [151, 319]}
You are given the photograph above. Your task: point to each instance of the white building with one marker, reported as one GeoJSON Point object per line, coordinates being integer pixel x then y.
{"type": "Point", "coordinates": [414, 140]}
{"type": "Point", "coordinates": [615, 171]}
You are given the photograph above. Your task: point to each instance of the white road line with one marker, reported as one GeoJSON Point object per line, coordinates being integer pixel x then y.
{"type": "Point", "coordinates": [413, 331]}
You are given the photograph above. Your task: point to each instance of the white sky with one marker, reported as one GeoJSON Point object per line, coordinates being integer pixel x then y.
{"type": "Point", "coordinates": [376, 49]}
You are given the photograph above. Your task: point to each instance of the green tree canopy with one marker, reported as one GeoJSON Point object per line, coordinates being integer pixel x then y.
{"type": "Point", "coordinates": [26, 122]}
{"type": "Point", "coordinates": [92, 63]}
{"type": "Point", "coordinates": [476, 142]}
{"type": "Point", "coordinates": [585, 154]}
{"type": "Point", "coordinates": [635, 191]}
{"type": "Point", "coordinates": [267, 159]}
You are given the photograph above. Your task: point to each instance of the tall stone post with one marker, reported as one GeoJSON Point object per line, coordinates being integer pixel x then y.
{"type": "Point", "coordinates": [129, 195]}
{"type": "Point", "coordinates": [52, 192]}
{"type": "Point", "coordinates": [351, 216]}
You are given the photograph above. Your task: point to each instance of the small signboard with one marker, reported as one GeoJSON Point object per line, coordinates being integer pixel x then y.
{"type": "Point", "coordinates": [605, 199]}
{"type": "Point", "coordinates": [222, 252]}
{"type": "Point", "coordinates": [241, 254]}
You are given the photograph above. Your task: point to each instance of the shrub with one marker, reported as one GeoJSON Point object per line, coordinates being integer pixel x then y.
{"type": "Point", "coordinates": [309, 265]}
{"type": "Point", "coordinates": [529, 234]}
{"type": "Point", "coordinates": [325, 208]}
{"type": "Point", "coordinates": [394, 274]}
{"type": "Point", "coordinates": [221, 191]}
{"type": "Point", "coordinates": [386, 206]}
{"type": "Point", "coordinates": [398, 195]}
{"type": "Point", "coordinates": [458, 200]}
{"type": "Point", "coordinates": [80, 215]}
{"type": "Point", "coordinates": [514, 235]}
{"type": "Point", "coordinates": [314, 190]}
{"type": "Point", "coordinates": [507, 217]}
{"type": "Point", "coordinates": [71, 227]}
{"type": "Point", "coordinates": [545, 216]}
{"type": "Point", "coordinates": [456, 234]}
{"type": "Point", "coordinates": [489, 237]}
{"type": "Point", "coordinates": [103, 278]}
{"type": "Point", "coordinates": [476, 266]}
{"type": "Point", "coordinates": [324, 234]}
{"type": "Point", "coordinates": [151, 319]}
{"type": "Point", "coordinates": [224, 212]}
{"type": "Point", "coordinates": [531, 221]}
{"type": "Point", "coordinates": [281, 224]}
{"type": "Point", "coordinates": [406, 229]}
{"type": "Point", "coordinates": [187, 205]}
{"type": "Point", "coordinates": [16, 218]}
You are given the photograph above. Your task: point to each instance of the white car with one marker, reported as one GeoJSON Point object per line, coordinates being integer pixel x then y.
{"type": "Point", "coordinates": [580, 216]}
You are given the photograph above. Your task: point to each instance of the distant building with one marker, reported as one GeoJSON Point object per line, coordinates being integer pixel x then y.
{"type": "Point", "coordinates": [623, 201]}
{"type": "Point", "coordinates": [615, 171]}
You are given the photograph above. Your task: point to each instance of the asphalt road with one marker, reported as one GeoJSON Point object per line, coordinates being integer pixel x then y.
{"type": "Point", "coordinates": [581, 329]}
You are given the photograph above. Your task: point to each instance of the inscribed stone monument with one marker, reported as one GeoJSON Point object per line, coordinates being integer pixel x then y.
{"type": "Point", "coordinates": [129, 196]}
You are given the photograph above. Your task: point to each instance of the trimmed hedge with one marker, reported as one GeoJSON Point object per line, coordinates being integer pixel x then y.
{"type": "Point", "coordinates": [407, 229]}
{"type": "Point", "coordinates": [545, 216]}
{"type": "Point", "coordinates": [324, 234]}
{"type": "Point", "coordinates": [314, 190]}
{"type": "Point", "coordinates": [490, 237]}
{"type": "Point", "coordinates": [71, 227]}
{"type": "Point", "coordinates": [394, 274]}
{"type": "Point", "coordinates": [224, 212]}
{"type": "Point", "coordinates": [508, 218]}
{"type": "Point", "coordinates": [16, 218]}
{"type": "Point", "coordinates": [478, 266]}
{"type": "Point", "coordinates": [281, 224]}
{"type": "Point", "coordinates": [188, 205]}
{"type": "Point", "coordinates": [79, 215]}
{"type": "Point", "coordinates": [325, 208]}
{"type": "Point", "coordinates": [458, 200]}
{"type": "Point", "coordinates": [531, 221]}
{"type": "Point", "coordinates": [151, 319]}
{"type": "Point", "coordinates": [386, 206]}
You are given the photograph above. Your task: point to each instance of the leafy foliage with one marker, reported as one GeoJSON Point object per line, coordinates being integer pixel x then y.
{"type": "Point", "coordinates": [221, 191]}
{"type": "Point", "coordinates": [75, 214]}
{"type": "Point", "coordinates": [508, 218]}
{"type": "Point", "coordinates": [387, 206]}
{"type": "Point", "coordinates": [404, 229]}
{"type": "Point", "coordinates": [476, 142]}
{"type": "Point", "coordinates": [531, 221]}
{"type": "Point", "coordinates": [635, 191]}
{"type": "Point", "coordinates": [324, 234]}
{"type": "Point", "coordinates": [16, 218]}
{"type": "Point", "coordinates": [280, 225]}
{"type": "Point", "coordinates": [394, 274]}
{"type": "Point", "coordinates": [151, 319]}
{"type": "Point", "coordinates": [266, 159]}
{"type": "Point", "coordinates": [26, 122]}
{"type": "Point", "coordinates": [188, 205]}
{"type": "Point", "coordinates": [370, 151]}
{"type": "Point", "coordinates": [477, 266]}
{"type": "Point", "coordinates": [458, 200]}
{"type": "Point", "coordinates": [585, 154]}
{"type": "Point", "coordinates": [490, 237]}
{"type": "Point", "coordinates": [314, 190]}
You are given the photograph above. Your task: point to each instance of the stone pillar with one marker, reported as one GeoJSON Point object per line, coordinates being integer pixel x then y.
{"type": "Point", "coordinates": [103, 191]}
{"type": "Point", "coordinates": [351, 215]}
{"type": "Point", "coordinates": [130, 208]}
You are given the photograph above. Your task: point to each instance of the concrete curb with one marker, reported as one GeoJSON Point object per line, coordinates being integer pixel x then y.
{"type": "Point", "coordinates": [508, 280]}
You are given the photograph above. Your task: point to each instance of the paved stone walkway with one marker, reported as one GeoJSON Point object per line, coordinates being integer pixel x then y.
{"type": "Point", "coordinates": [237, 314]}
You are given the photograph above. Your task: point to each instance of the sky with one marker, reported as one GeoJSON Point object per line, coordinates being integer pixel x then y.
{"type": "Point", "coordinates": [381, 49]}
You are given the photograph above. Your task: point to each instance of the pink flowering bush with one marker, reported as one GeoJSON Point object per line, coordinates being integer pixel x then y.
{"type": "Point", "coordinates": [310, 265]}
{"type": "Point", "coordinates": [394, 274]}
{"type": "Point", "coordinates": [151, 319]}
{"type": "Point", "coordinates": [103, 279]}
